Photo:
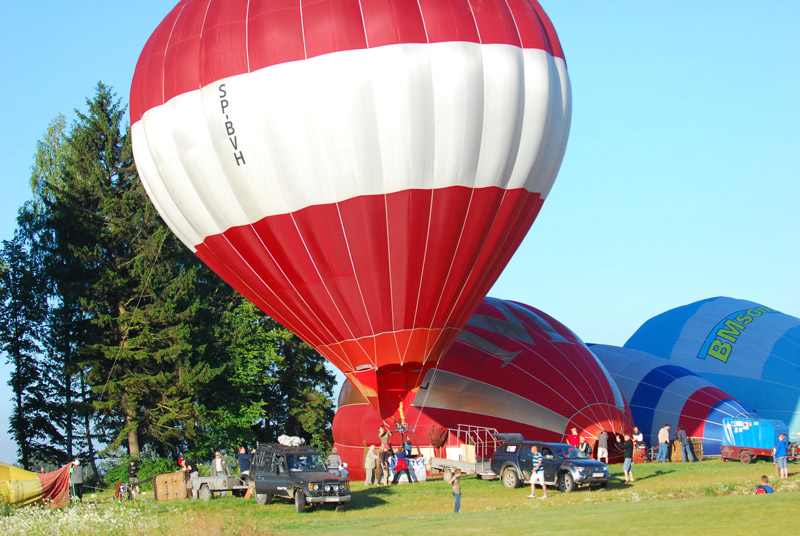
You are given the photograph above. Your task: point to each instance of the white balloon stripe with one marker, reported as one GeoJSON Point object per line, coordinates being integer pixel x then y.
{"type": "Point", "coordinates": [248, 128]}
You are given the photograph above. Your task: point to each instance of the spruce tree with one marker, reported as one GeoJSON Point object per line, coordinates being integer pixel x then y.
{"type": "Point", "coordinates": [21, 314]}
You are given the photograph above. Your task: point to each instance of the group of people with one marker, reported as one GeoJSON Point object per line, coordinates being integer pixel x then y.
{"type": "Point", "coordinates": [219, 467]}
{"type": "Point", "coordinates": [629, 442]}
{"type": "Point", "coordinates": [664, 441]}
{"type": "Point", "coordinates": [581, 444]}
{"type": "Point", "coordinates": [379, 459]}
{"type": "Point", "coordinates": [662, 454]}
{"type": "Point", "coordinates": [780, 456]}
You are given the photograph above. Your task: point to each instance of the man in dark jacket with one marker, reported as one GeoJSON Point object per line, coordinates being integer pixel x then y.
{"type": "Point", "coordinates": [686, 445]}
{"type": "Point", "coordinates": [244, 460]}
{"type": "Point", "coordinates": [627, 454]}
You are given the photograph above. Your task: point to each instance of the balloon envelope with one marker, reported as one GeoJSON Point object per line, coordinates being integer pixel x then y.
{"type": "Point", "coordinates": [659, 392]}
{"type": "Point", "coordinates": [512, 368]}
{"type": "Point", "coordinates": [360, 170]}
{"type": "Point", "coordinates": [746, 349]}
{"type": "Point", "coordinates": [21, 487]}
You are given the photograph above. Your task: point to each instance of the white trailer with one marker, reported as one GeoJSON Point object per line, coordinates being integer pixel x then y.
{"type": "Point", "coordinates": [470, 449]}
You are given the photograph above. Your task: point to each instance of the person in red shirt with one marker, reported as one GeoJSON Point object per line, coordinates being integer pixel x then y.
{"type": "Point", "coordinates": [573, 439]}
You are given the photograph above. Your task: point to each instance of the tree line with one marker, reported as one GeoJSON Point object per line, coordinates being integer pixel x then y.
{"type": "Point", "coordinates": [118, 336]}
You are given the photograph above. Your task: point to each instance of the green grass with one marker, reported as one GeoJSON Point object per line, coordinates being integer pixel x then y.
{"type": "Point", "coordinates": [709, 497]}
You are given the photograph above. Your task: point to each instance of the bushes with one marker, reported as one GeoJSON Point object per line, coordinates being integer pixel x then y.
{"type": "Point", "coordinates": [147, 468]}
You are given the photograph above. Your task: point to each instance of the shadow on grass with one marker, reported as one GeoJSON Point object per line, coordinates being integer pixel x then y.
{"type": "Point", "coordinates": [621, 484]}
{"type": "Point", "coordinates": [368, 498]}
{"type": "Point", "coordinates": [655, 474]}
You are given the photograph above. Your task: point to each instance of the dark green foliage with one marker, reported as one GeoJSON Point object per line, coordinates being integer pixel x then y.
{"type": "Point", "coordinates": [120, 336]}
{"type": "Point", "coordinates": [273, 384]}
{"type": "Point", "coordinates": [21, 312]}
{"type": "Point", "coordinates": [148, 468]}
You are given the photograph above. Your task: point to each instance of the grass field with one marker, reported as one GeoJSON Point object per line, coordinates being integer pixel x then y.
{"type": "Point", "coordinates": [709, 497]}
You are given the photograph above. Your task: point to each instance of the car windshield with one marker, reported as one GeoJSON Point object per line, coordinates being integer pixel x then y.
{"type": "Point", "coordinates": [306, 462]}
{"type": "Point", "coordinates": [569, 452]}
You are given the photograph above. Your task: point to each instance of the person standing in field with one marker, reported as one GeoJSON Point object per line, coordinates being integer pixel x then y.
{"type": "Point", "coordinates": [537, 472]}
{"type": "Point", "coordinates": [76, 480]}
{"type": "Point", "coordinates": [780, 453]}
{"type": "Point", "coordinates": [663, 444]}
{"type": "Point", "coordinates": [456, 484]}
{"type": "Point", "coordinates": [369, 466]}
{"type": "Point", "coordinates": [602, 446]}
{"type": "Point", "coordinates": [133, 475]}
{"type": "Point", "coordinates": [627, 453]}
{"type": "Point", "coordinates": [189, 468]}
{"type": "Point", "coordinates": [585, 447]}
{"type": "Point", "coordinates": [219, 467]}
{"type": "Point", "coordinates": [401, 465]}
{"type": "Point", "coordinates": [573, 439]}
{"type": "Point", "coordinates": [686, 445]}
{"type": "Point", "coordinates": [638, 443]}
{"type": "Point", "coordinates": [384, 434]}
{"type": "Point", "coordinates": [383, 465]}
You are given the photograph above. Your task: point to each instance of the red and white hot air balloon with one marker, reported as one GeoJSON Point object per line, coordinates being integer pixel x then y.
{"type": "Point", "coordinates": [360, 170]}
{"type": "Point", "coordinates": [513, 368]}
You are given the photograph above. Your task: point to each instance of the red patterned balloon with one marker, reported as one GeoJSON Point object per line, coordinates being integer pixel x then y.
{"type": "Point", "coordinates": [362, 170]}
{"type": "Point", "coordinates": [512, 368]}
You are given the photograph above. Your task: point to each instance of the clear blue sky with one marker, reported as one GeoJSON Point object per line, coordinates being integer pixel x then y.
{"type": "Point", "coordinates": [681, 179]}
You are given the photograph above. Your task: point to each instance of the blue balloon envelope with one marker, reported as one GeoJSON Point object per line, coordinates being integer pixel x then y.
{"type": "Point", "coordinates": [746, 349]}
{"type": "Point", "coordinates": [660, 393]}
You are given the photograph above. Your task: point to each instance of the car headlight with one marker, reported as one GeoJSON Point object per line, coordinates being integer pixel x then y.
{"type": "Point", "coordinates": [313, 487]}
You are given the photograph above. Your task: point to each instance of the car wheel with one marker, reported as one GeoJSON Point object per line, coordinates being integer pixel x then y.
{"type": "Point", "coordinates": [510, 478]}
{"type": "Point", "coordinates": [340, 507]}
{"type": "Point", "coordinates": [566, 483]}
{"type": "Point", "coordinates": [447, 474]}
{"type": "Point", "coordinates": [204, 492]}
{"type": "Point", "coordinates": [745, 457]}
{"type": "Point", "coordinates": [299, 501]}
{"type": "Point", "coordinates": [263, 498]}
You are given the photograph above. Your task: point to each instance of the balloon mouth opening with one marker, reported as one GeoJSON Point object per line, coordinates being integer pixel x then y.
{"type": "Point", "coordinates": [389, 389]}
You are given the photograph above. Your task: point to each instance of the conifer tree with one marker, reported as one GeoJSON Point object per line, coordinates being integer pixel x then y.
{"type": "Point", "coordinates": [21, 313]}
{"type": "Point", "coordinates": [136, 342]}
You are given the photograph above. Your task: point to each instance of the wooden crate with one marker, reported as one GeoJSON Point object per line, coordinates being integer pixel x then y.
{"type": "Point", "coordinates": [170, 486]}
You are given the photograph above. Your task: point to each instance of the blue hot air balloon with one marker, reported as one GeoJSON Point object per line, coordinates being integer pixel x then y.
{"type": "Point", "coordinates": [746, 349]}
{"type": "Point", "coordinates": [659, 393]}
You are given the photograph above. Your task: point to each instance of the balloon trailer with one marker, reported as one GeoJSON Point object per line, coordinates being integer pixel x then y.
{"type": "Point", "coordinates": [470, 449]}
{"type": "Point", "coordinates": [749, 439]}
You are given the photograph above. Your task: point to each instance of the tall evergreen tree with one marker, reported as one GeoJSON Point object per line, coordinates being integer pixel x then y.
{"type": "Point", "coordinates": [141, 344]}
{"type": "Point", "coordinates": [21, 314]}
{"type": "Point", "coordinates": [62, 278]}
{"type": "Point", "coordinates": [139, 356]}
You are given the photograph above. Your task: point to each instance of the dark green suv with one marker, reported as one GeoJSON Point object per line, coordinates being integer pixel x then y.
{"type": "Point", "coordinates": [296, 473]}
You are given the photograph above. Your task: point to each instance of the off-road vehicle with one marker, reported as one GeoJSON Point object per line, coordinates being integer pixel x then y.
{"type": "Point", "coordinates": [296, 473]}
